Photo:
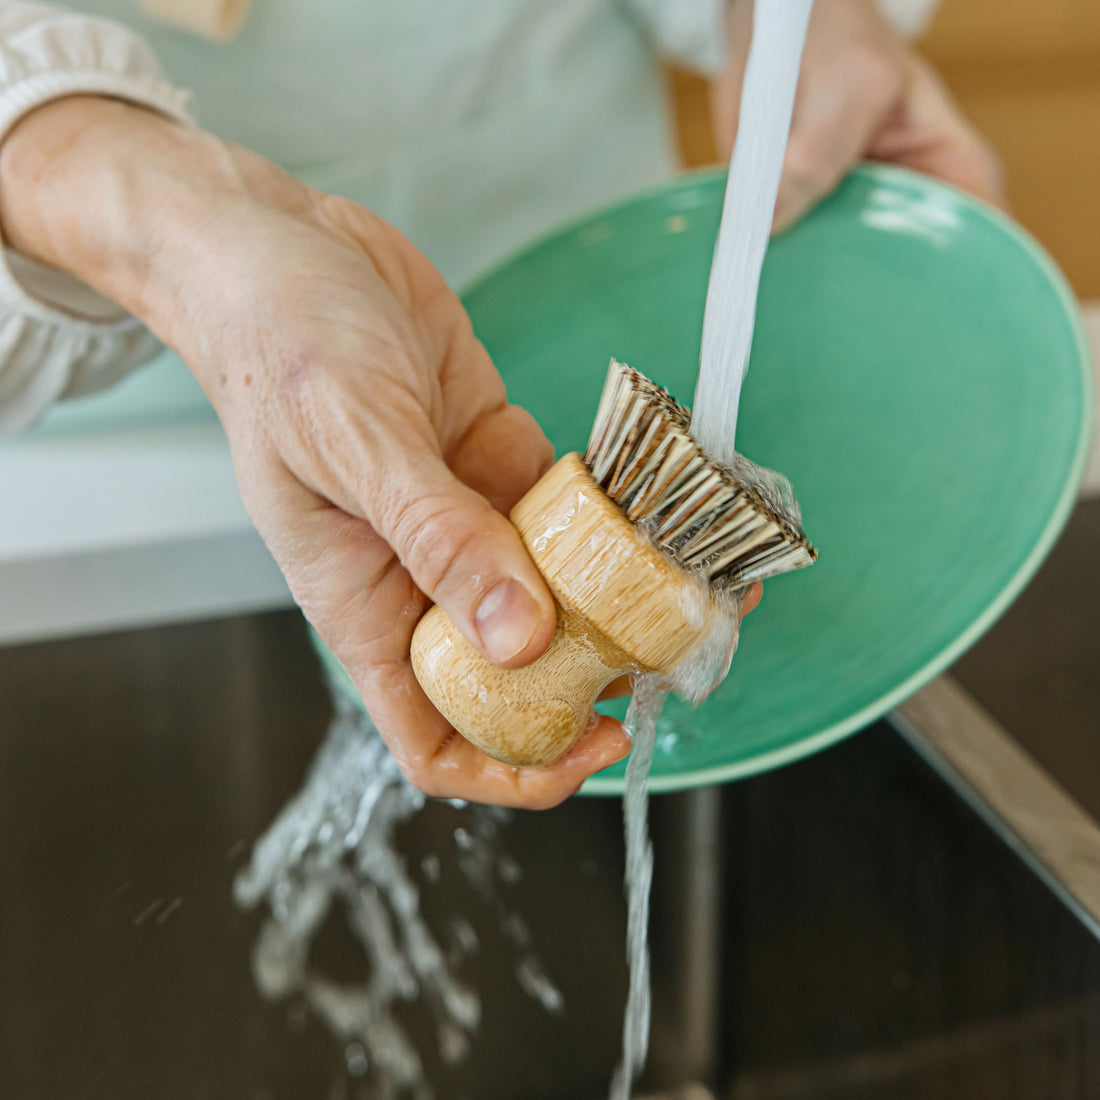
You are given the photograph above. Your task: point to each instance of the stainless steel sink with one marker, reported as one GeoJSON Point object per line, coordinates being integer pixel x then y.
{"type": "Point", "coordinates": [846, 927]}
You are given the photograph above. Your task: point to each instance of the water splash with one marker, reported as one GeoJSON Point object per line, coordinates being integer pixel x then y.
{"type": "Point", "coordinates": [767, 101]}
{"type": "Point", "coordinates": [332, 849]}
{"type": "Point", "coordinates": [695, 677]}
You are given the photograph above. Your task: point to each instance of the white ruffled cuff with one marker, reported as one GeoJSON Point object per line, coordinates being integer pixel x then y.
{"type": "Point", "coordinates": [58, 337]}
{"type": "Point", "coordinates": [62, 53]}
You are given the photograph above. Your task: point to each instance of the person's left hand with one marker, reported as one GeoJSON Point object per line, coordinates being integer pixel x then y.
{"type": "Point", "coordinates": [862, 95]}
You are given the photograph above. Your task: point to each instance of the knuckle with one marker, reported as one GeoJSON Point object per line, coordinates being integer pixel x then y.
{"type": "Point", "coordinates": [536, 796]}
{"type": "Point", "coordinates": [434, 539]}
{"type": "Point", "coordinates": [422, 777]}
{"type": "Point", "coordinates": [546, 800]}
{"type": "Point", "coordinates": [544, 453]}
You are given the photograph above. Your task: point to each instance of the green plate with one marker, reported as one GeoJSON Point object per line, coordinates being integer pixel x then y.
{"type": "Point", "coordinates": [919, 373]}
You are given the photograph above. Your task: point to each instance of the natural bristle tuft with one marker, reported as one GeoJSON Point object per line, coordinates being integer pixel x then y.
{"type": "Point", "coordinates": [643, 455]}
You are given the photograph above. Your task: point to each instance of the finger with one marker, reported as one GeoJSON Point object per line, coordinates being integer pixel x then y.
{"type": "Point", "coordinates": [435, 758]}
{"type": "Point", "coordinates": [502, 456]}
{"type": "Point", "coordinates": [441, 763]}
{"type": "Point", "coordinates": [365, 607]}
{"type": "Point", "coordinates": [842, 101]}
{"type": "Point", "coordinates": [457, 769]}
{"type": "Point", "coordinates": [752, 598]}
{"type": "Point", "coordinates": [930, 135]}
{"type": "Point", "coordinates": [463, 554]}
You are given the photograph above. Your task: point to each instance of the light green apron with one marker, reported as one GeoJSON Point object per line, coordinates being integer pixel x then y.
{"type": "Point", "coordinates": [472, 125]}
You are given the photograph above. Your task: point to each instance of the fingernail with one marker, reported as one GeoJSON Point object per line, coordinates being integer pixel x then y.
{"type": "Point", "coordinates": [507, 618]}
{"type": "Point", "coordinates": [620, 748]}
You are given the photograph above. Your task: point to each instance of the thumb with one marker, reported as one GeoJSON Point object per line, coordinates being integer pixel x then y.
{"type": "Point", "coordinates": [466, 557]}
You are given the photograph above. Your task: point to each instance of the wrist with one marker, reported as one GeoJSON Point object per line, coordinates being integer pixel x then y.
{"type": "Point", "coordinates": [70, 175]}
{"type": "Point", "coordinates": [123, 198]}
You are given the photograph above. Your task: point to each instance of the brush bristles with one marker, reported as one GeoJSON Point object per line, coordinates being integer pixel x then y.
{"type": "Point", "coordinates": [642, 454]}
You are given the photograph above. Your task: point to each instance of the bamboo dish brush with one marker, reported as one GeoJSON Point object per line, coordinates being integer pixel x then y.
{"type": "Point", "coordinates": [642, 542]}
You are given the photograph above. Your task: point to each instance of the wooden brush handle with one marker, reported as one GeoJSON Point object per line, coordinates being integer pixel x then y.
{"type": "Point", "coordinates": [623, 605]}
{"type": "Point", "coordinates": [525, 716]}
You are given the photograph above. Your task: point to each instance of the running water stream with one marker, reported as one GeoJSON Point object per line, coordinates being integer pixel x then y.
{"type": "Point", "coordinates": [767, 100]}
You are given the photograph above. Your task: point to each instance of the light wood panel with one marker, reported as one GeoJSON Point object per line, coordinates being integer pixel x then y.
{"type": "Point", "coordinates": [970, 33]}
{"type": "Point", "coordinates": [1028, 75]}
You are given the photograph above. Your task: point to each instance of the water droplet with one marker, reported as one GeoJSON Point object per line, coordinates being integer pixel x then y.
{"type": "Point", "coordinates": [169, 910]}
{"type": "Point", "coordinates": [510, 870]}
{"type": "Point", "coordinates": [147, 912]}
{"type": "Point", "coordinates": [515, 928]}
{"type": "Point", "coordinates": [464, 935]}
{"type": "Point", "coordinates": [534, 982]}
{"type": "Point", "coordinates": [356, 1057]}
{"type": "Point", "coordinates": [454, 1044]}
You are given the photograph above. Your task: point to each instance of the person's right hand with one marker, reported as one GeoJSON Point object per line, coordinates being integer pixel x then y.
{"type": "Point", "coordinates": [372, 438]}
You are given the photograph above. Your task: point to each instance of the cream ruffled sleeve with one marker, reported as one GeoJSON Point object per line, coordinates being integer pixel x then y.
{"type": "Point", "coordinates": [692, 32]}
{"type": "Point", "coordinates": [58, 337]}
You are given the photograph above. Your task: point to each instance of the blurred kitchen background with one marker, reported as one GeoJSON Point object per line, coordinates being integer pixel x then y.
{"type": "Point", "coordinates": [854, 927]}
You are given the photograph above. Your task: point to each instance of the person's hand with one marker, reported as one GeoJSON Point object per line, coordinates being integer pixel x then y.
{"type": "Point", "coordinates": [862, 95]}
{"type": "Point", "coordinates": [372, 438]}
